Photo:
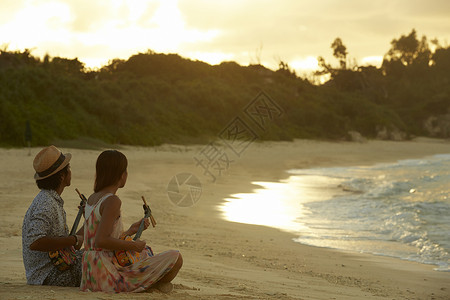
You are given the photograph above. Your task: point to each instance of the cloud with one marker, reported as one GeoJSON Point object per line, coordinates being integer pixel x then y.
{"type": "Point", "coordinates": [34, 24]}
{"type": "Point", "coordinates": [419, 9]}
{"type": "Point", "coordinates": [89, 15]}
{"type": "Point", "coordinates": [9, 8]}
{"type": "Point", "coordinates": [372, 61]}
{"type": "Point", "coordinates": [291, 30]}
{"type": "Point", "coordinates": [299, 28]}
{"type": "Point", "coordinates": [99, 30]}
{"type": "Point", "coordinates": [131, 26]}
{"type": "Point", "coordinates": [307, 63]}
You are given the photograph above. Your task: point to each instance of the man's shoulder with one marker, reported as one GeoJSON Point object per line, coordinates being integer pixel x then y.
{"type": "Point", "coordinates": [47, 196]}
{"type": "Point", "coordinates": [43, 201]}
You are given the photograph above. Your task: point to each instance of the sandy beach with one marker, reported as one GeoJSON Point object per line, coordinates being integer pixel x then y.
{"type": "Point", "coordinates": [223, 260]}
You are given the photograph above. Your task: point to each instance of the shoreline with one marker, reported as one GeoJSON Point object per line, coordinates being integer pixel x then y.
{"type": "Point", "coordinates": [387, 156]}
{"type": "Point", "coordinates": [222, 259]}
{"type": "Point", "coordinates": [259, 189]}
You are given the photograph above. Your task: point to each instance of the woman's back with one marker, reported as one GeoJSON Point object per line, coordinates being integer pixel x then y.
{"type": "Point", "coordinates": [102, 272]}
{"type": "Point", "coordinates": [93, 217]}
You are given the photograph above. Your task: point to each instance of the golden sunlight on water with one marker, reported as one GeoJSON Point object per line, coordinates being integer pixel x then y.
{"type": "Point", "coordinates": [279, 204]}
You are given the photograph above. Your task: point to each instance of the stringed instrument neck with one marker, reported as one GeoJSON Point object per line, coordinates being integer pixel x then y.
{"type": "Point", "coordinates": [148, 214]}
{"type": "Point", "coordinates": [80, 213]}
{"type": "Point", "coordinates": [142, 225]}
{"type": "Point", "coordinates": [126, 258]}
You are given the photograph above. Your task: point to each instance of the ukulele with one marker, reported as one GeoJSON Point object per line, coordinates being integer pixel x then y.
{"type": "Point", "coordinates": [127, 257]}
{"type": "Point", "coordinates": [63, 259]}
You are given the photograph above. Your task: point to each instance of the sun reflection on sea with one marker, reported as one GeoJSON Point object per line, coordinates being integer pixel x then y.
{"type": "Point", "coordinates": [279, 204]}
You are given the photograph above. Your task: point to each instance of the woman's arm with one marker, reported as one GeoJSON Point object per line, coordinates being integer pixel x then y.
{"type": "Point", "coordinates": [135, 226]}
{"type": "Point", "coordinates": [110, 211]}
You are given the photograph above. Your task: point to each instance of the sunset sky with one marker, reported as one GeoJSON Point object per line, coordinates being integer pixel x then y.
{"type": "Point", "coordinates": [245, 31]}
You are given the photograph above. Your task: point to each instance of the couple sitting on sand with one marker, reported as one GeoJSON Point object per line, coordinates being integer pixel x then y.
{"type": "Point", "coordinates": [95, 268]}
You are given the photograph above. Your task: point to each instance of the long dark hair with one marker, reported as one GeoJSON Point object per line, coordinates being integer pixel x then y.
{"type": "Point", "coordinates": [110, 166]}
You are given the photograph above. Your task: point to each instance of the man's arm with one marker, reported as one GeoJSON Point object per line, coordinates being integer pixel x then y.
{"type": "Point", "coordinates": [39, 228]}
{"type": "Point", "coordinates": [48, 243]}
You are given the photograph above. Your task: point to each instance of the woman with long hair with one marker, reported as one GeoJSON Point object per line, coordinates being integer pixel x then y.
{"type": "Point", "coordinates": [104, 235]}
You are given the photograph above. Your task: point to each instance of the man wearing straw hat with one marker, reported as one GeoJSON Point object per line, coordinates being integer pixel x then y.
{"type": "Point", "coordinates": [44, 226]}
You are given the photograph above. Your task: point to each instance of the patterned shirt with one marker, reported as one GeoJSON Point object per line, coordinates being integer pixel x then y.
{"type": "Point", "coordinates": [45, 217]}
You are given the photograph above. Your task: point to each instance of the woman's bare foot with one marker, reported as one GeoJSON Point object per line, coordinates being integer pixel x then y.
{"type": "Point", "coordinates": [165, 287]}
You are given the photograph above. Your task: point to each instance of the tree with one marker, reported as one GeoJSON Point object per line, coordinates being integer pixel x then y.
{"type": "Point", "coordinates": [324, 67]}
{"type": "Point", "coordinates": [342, 77]}
{"type": "Point", "coordinates": [284, 68]}
{"type": "Point", "coordinates": [72, 66]}
{"type": "Point", "coordinates": [408, 49]}
{"type": "Point", "coordinates": [340, 52]}
{"type": "Point", "coordinates": [423, 54]}
{"type": "Point", "coordinates": [441, 59]}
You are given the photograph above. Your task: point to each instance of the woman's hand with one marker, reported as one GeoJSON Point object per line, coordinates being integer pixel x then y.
{"type": "Point", "coordinates": [139, 245]}
{"type": "Point", "coordinates": [79, 242]}
{"type": "Point", "coordinates": [135, 226]}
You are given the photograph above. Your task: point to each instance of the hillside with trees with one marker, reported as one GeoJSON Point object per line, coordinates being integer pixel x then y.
{"type": "Point", "coordinates": [153, 98]}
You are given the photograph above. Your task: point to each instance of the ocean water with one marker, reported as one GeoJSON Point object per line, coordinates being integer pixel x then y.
{"type": "Point", "coordinates": [400, 210]}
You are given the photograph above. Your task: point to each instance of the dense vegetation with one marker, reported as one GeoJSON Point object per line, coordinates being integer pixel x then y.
{"type": "Point", "coordinates": [153, 98]}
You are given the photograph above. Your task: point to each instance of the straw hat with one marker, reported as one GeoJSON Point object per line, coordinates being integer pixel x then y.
{"type": "Point", "coordinates": [50, 161]}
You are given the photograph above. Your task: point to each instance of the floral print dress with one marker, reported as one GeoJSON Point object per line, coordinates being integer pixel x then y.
{"type": "Point", "coordinates": [102, 272]}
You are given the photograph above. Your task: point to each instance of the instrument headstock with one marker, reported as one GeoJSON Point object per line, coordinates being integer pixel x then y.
{"type": "Point", "coordinates": [148, 212]}
{"type": "Point", "coordinates": [82, 197]}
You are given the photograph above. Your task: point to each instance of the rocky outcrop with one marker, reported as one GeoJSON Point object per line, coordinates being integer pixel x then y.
{"type": "Point", "coordinates": [355, 136]}
{"type": "Point", "coordinates": [393, 134]}
{"type": "Point", "coordinates": [438, 126]}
